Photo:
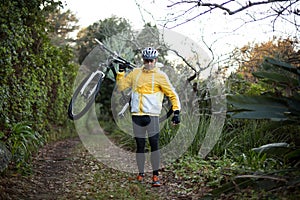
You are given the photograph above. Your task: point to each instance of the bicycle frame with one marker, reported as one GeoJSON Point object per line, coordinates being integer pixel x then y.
{"type": "Point", "coordinates": [116, 58]}
{"type": "Point", "coordinates": [114, 55]}
{"type": "Point", "coordinates": [126, 106]}
{"type": "Point", "coordinates": [88, 82]}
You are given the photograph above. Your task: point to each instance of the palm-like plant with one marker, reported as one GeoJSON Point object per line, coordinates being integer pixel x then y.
{"type": "Point", "coordinates": [281, 103]}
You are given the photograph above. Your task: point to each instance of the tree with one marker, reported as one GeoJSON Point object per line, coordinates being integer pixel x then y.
{"type": "Point", "coordinates": [249, 58]}
{"type": "Point", "coordinates": [275, 10]}
{"type": "Point", "coordinates": [61, 25]}
{"type": "Point", "coordinates": [101, 30]}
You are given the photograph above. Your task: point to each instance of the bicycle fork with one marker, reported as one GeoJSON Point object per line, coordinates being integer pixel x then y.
{"type": "Point", "coordinates": [91, 92]}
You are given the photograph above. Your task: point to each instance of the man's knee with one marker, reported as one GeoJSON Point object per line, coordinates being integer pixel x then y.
{"type": "Point", "coordinates": [154, 142]}
{"type": "Point", "coordinates": [140, 145]}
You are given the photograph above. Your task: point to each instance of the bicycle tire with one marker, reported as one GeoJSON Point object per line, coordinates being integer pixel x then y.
{"type": "Point", "coordinates": [78, 115]}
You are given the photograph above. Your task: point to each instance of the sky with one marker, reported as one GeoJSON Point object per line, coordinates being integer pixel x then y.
{"type": "Point", "coordinates": [215, 29]}
{"type": "Point", "coordinates": [89, 11]}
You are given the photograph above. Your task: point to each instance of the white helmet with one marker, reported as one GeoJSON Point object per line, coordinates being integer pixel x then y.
{"type": "Point", "coordinates": [149, 53]}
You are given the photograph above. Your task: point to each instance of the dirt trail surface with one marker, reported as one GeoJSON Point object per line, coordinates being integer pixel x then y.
{"type": "Point", "coordinates": [65, 170]}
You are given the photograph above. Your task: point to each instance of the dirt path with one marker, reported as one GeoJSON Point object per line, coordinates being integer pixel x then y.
{"type": "Point", "coordinates": [65, 170]}
{"type": "Point", "coordinates": [53, 167]}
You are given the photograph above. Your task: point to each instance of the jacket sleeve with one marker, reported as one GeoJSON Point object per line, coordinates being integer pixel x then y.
{"type": "Point", "coordinates": [123, 82]}
{"type": "Point", "coordinates": [168, 89]}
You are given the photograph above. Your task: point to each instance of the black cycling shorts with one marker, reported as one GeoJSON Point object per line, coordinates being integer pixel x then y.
{"type": "Point", "coordinates": [145, 124]}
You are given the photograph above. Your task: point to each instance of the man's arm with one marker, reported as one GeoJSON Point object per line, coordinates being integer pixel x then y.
{"type": "Point", "coordinates": [123, 82]}
{"type": "Point", "coordinates": [169, 91]}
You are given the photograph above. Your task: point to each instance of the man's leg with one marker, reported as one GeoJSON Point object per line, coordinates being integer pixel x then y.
{"type": "Point", "coordinates": [140, 153]}
{"type": "Point", "coordinates": [155, 155]}
{"type": "Point", "coordinates": [153, 131]}
{"type": "Point", "coordinates": [139, 130]}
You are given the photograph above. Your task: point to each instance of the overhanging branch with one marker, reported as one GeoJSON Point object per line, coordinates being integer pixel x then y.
{"type": "Point", "coordinates": [283, 8]}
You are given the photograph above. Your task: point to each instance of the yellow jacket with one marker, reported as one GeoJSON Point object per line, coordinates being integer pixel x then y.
{"type": "Point", "coordinates": [148, 89]}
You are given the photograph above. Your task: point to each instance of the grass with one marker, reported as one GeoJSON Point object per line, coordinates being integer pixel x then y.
{"type": "Point", "coordinates": [223, 176]}
{"type": "Point", "coordinates": [231, 157]}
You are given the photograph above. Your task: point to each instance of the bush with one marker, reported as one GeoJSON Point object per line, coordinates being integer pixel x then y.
{"type": "Point", "coordinates": [21, 142]}
{"type": "Point", "coordinates": [36, 77]}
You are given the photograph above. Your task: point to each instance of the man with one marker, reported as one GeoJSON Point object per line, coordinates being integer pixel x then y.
{"type": "Point", "coordinates": [148, 85]}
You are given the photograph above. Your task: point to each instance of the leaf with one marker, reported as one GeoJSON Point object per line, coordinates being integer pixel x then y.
{"type": "Point", "coordinates": [275, 149]}
{"type": "Point", "coordinates": [2, 135]}
{"type": "Point", "coordinates": [277, 78]}
{"type": "Point", "coordinates": [293, 105]}
{"type": "Point", "coordinates": [295, 154]}
{"type": "Point", "coordinates": [283, 65]}
{"type": "Point", "coordinates": [257, 107]}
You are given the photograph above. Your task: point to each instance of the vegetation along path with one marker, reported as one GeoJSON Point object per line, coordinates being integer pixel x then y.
{"type": "Point", "coordinates": [65, 170]}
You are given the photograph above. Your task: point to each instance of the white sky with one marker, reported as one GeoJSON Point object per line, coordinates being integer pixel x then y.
{"type": "Point", "coordinates": [216, 29]}
{"type": "Point", "coordinates": [89, 11]}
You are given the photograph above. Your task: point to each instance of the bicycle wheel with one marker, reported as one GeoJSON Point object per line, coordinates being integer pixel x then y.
{"type": "Point", "coordinates": [82, 100]}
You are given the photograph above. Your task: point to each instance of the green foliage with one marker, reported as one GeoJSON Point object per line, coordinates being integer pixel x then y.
{"type": "Point", "coordinates": [239, 136]}
{"type": "Point", "coordinates": [252, 177]}
{"type": "Point", "coordinates": [257, 89]}
{"type": "Point", "coordinates": [196, 170]}
{"type": "Point", "coordinates": [251, 161]}
{"type": "Point", "coordinates": [22, 141]}
{"type": "Point", "coordinates": [36, 77]}
{"type": "Point", "coordinates": [284, 153]}
{"type": "Point", "coordinates": [167, 133]}
{"type": "Point", "coordinates": [5, 155]}
{"type": "Point", "coordinates": [258, 107]}
{"type": "Point", "coordinates": [281, 103]}
{"type": "Point", "coordinates": [203, 125]}
{"type": "Point", "coordinates": [243, 142]}
{"type": "Point", "coordinates": [102, 30]}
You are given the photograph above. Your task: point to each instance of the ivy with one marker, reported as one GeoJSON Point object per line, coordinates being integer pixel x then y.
{"type": "Point", "coordinates": [36, 76]}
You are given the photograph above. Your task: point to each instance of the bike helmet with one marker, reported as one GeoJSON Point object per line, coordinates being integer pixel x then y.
{"type": "Point", "coordinates": [149, 53]}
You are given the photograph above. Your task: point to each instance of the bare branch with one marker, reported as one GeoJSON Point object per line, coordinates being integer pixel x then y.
{"type": "Point", "coordinates": [183, 59]}
{"type": "Point", "coordinates": [280, 7]}
{"type": "Point", "coordinates": [221, 6]}
{"type": "Point", "coordinates": [141, 13]}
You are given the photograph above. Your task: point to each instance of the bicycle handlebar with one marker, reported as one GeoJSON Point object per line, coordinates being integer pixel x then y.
{"type": "Point", "coordinates": [116, 57]}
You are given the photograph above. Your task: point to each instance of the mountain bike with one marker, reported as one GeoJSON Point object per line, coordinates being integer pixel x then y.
{"type": "Point", "coordinates": [90, 85]}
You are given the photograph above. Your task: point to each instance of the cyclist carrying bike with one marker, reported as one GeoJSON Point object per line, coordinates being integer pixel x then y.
{"type": "Point", "coordinates": [149, 85]}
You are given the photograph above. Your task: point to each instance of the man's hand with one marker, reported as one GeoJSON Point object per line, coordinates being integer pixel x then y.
{"type": "Point", "coordinates": [176, 117]}
{"type": "Point", "coordinates": [122, 67]}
